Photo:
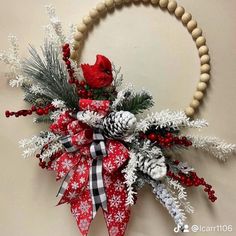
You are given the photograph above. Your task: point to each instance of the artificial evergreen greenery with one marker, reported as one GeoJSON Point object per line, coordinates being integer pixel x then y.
{"type": "Point", "coordinates": [50, 74]}
{"type": "Point", "coordinates": [35, 99]}
{"type": "Point", "coordinates": [43, 119]}
{"type": "Point", "coordinates": [136, 103]}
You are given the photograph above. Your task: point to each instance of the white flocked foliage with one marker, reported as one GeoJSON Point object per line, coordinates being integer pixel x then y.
{"type": "Point", "coordinates": [36, 143]}
{"type": "Point", "coordinates": [130, 177]}
{"type": "Point", "coordinates": [213, 145]}
{"type": "Point", "coordinates": [171, 119]}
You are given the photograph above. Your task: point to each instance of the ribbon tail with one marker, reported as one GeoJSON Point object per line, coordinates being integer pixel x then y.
{"type": "Point", "coordinates": [118, 214]}
{"type": "Point", "coordinates": [96, 185]}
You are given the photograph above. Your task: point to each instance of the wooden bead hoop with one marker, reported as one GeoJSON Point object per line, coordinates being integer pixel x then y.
{"type": "Point", "coordinates": [173, 8]}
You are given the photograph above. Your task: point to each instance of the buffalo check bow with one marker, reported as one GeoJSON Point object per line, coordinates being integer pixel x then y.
{"type": "Point", "coordinates": [97, 151]}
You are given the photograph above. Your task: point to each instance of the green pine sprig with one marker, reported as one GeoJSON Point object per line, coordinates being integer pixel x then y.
{"type": "Point", "coordinates": [49, 72]}
{"type": "Point", "coordinates": [136, 103]}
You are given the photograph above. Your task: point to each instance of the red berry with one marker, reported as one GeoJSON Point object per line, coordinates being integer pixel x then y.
{"type": "Point", "coordinates": [71, 81]}
{"type": "Point", "coordinates": [65, 46]}
{"type": "Point", "coordinates": [33, 108]}
{"type": "Point", "coordinates": [90, 94]}
{"type": "Point", "coordinates": [82, 83]}
{"type": "Point", "coordinates": [169, 135]}
{"type": "Point", "coordinates": [40, 111]}
{"type": "Point", "coordinates": [152, 137]}
{"type": "Point", "coordinates": [7, 113]}
{"type": "Point", "coordinates": [46, 111]}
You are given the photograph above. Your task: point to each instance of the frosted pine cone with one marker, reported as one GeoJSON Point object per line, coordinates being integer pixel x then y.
{"type": "Point", "coordinates": [155, 168]}
{"type": "Point", "coordinates": [119, 124]}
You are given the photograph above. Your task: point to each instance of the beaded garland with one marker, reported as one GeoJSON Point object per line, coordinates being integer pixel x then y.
{"type": "Point", "coordinates": [173, 8]}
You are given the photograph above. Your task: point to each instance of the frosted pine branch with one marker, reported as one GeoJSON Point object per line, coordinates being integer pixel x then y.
{"type": "Point", "coordinates": [91, 118]}
{"type": "Point", "coordinates": [181, 195]}
{"type": "Point", "coordinates": [118, 77]}
{"type": "Point", "coordinates": [130, 177]}
{"type": "Point", "coordinates": [55, 22]}
{"type": "Point", "coordinates": [70, 34]}
{"type": "Point", "coordinates": [213, 145]}
{"type": "Point", "coordinates": [36, 89]}
{"type": "Point", "coordinates": [52, 149]}
{"type": "Point", "coordinates": [170, 119]}
{"type": "Point", "coordinates": [149, 150]}
{"type": "Point", "coordinates": [35, 143]}
{"type": "Point", "coordinates": [58, 104]}
{"type": "Point", "coordinates": [121, 96]}
{"type": "Point", "coordinates": [12, 59]}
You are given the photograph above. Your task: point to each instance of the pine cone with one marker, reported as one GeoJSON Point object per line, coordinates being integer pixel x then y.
{"type": "Point", "coordinates": [119, 124]}
{"type": "Point", "coordinates": [155, 168]}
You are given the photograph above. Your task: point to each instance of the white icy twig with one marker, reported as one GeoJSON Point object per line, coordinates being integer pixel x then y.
{"type": "Point", "coordinates": [130, 177]}
{"type": "Point", "coordinates": [35, 143]}
{"type": "Point", "coordinates": [170, 119]}
{"type": "Point", "coordinates": [213, 145]}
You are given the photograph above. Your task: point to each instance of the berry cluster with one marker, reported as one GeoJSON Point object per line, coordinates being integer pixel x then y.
{"type": "Point", "coordinates": [38, 110]}
{"type": "Point", "coordinates": [47, 165]}
{"type": "Point", "coordinates": [70, 70]}
{"type": "Point", "coordinates": [191, 179]}
{"type": "Point", "coordinates": [82, 88]}
{"type": "Point", "coordinates": [166, 140]}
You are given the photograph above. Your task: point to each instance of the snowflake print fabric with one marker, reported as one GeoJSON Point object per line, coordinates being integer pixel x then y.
{"type": "Point", "coordinates": [78, 164]}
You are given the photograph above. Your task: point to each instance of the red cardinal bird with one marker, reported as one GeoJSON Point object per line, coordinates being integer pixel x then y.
{"type": "Point", "coordinates": [98, 75]}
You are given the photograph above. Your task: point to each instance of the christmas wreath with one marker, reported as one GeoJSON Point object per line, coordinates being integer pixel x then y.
{"type": "Point", "coordinates": [97, 142]}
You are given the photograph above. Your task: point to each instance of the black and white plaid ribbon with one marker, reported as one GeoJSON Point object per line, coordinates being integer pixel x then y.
{"type": "Point", "coordinates": [97, 190]}
{"type": "Point", "coordinates": [96, 184]}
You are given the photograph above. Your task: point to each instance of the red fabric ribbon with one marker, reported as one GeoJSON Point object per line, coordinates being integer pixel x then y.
{"type": "Point", "coordinates": [78, 164]}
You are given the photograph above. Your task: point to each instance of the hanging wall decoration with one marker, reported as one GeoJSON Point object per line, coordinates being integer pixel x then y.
{"type": "Point", "coordinates": [96, 142]}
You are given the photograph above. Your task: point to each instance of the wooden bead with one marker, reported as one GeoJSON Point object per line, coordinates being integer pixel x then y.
{"type": "Point", "coordinates": [74, 55]}
{"type": "Point", "coordinates": [197, 32]}
{"type": "Point", "coordinates": [82, 27]}
{"type": "Point", "coordinates": [192, 24]}
{"type": "Point", "coordinates": [201, 86]}
{"type": "Point", "coordinates": [200, 41]}
{"type": "Point", "coordinates": [118, 2]}
{"type": "Point", "coordinates": [154, 2]}
{"type": "Point", "coordinates": [203, 50]}
{"type": "Point", "coordinates": [186, 17]}
{"type": "Point", "coordinates": [205, 68]}
{"type": "Point", "coordinates": [78, 36]}
{"type": "Point", "coordinates": [189, 111]}
{"type": "Point", "coordinates": [109, 3]}
{"type": "Point", "coordinates": [194, 104]}
{"type": "Point", "coordinates": [101, 6]}
{"type": "Point", "coordinates": [76, 45]}
{"type": "Point", "coordinates": [163, 3]}
{"type": "Point", "coordinates": [198, 95]}
{"type": "Point", "coordinates": [205, 77]}
{"type": "Point", "coordinates": [94, 13]}
{"type": "Point", "coordinates": [205, 59]}
{"type": "Point", "coordinates": [172, 6]}
{"type": "Point", "coordinates": [87, 20]}
{"type": "Point", "coordinates": [179, 11]}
